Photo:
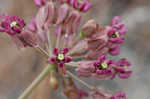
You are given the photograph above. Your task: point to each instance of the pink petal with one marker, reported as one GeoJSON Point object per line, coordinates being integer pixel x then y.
{"type": "Point", "coordinates": [55, 51]}
{"type": "Point", "coordinates": [40, 2]}
{"type": "Point", "coordinates": [68, 59]}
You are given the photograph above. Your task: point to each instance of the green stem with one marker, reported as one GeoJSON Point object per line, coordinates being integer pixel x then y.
{"type": "Point", "coordinates": [72, 65]}
{"type": "Point", "coordinates": [41, 51]}
{"type": "Point", "coordinates": [37, 81]}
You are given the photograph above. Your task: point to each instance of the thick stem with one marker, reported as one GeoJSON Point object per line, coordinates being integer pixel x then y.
{"type": "Point", "coordinates": [80, 81]}
{"type": "Point", "coordinates": [37, 81]}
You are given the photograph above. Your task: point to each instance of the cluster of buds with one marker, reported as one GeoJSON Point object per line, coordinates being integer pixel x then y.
{"type": "Point", "coordinates": [85, 49]}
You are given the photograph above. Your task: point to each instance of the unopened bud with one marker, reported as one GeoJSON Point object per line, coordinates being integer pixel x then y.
{"type": "Point", "coordinates": [62, 13]}
{"type": "Point", "coordinates": [53, 83]}
{"type": "Point", "coordinates": [89, 28]}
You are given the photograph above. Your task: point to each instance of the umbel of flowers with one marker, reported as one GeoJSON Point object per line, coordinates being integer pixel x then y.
{"type": "Point", "coordinates": [83, 48]}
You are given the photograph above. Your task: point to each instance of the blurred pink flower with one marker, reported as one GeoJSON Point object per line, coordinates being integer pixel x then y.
{"type": "Point", "coordinates": [121, 68]}
{"type": "Point", "coordinates": [40, 2]}
{"type": "Point", "coordinates": [119, 95]}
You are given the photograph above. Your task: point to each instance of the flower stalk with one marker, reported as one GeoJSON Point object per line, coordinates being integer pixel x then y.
{"type": "Point", "coordinates": [41, 51]}
{"type": "Point", "coordinates": [72, 65]}
{"type": "Point", "coordinates": [37, 81]}
{"type": "Point", "coordinates": [80, 81]}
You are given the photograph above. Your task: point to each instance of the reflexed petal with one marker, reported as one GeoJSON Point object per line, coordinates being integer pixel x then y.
{"type": "Point", "coordinates": [55, 51]}
{"type": "Point", "coordinates": [125, 75]}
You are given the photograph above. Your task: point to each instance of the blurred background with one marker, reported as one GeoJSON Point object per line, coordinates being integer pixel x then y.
{"type": "Point", "coordinates": [19, 68]}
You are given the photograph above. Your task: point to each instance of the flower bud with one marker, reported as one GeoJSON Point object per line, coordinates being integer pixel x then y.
{"type": "Point", "coordinates": [87, 7]}
{"type": "Point", "coordinates": [53, 83]}
{"type": "Point", "coordinates": [62, 13]}
{"type": "Point", "coordinates": [79, 48]}
{"type": "Point", "coordinates": [32, 26]}
{"type": "Point", "coordinates": [51, 13]}
{"type": "Point", "coordinates": [73, 22]}
{"type": "Point", "coordinates": [89, 28]}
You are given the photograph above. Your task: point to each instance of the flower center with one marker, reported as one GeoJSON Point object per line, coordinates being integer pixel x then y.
{"type": "Point", "coordinates": [126, 68]}
{"type": "Point", "coordinates": [14, 23]}
{"type": "Point", "coordinates": [81, 34]}
{"type": "Point", "coordinates": [115, 35]}
{"type": "Point", "coordinates": [79, 2]}
{"type": "Point", "coordinates": [60, 57]}
{"type": "Point", "coordinates": [103, 66]}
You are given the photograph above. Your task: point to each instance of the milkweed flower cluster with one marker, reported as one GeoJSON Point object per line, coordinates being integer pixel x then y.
{"type": "Point", "coordinates": [84, 48]}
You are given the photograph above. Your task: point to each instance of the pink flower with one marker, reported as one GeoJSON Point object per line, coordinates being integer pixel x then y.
{"type": "Point", "coordinates": [86, 68]}
{"type": "Point", "coordinates": [114, 49]}
{"type": "Point", "coordinates": [11, 24]}
{"type": "Point", "coordinates": [81, 5]}
{"type": "Point", "coordinates": [119, 95]}
{"type": "Point", "coordinates": [118, 25]}
{"type": "Point", "coordinates": [40, 2]}
{"type": "Point", "coordinates": [60, 58]}
{"type": "Point", "coordinates": [87, 48]}
{"type": "Point", "coordinates": [103, 68]}
{"type": "Point", "coordinates": [122, 69]}
{"type": "Point", "coordinates": [14, 27]}
{"type": "Point", "coordinates": [100, 69]}
{"type": "Point", "coordinates": [114, 36]}
{"type": "Point", "coordinates": [117, 30]}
